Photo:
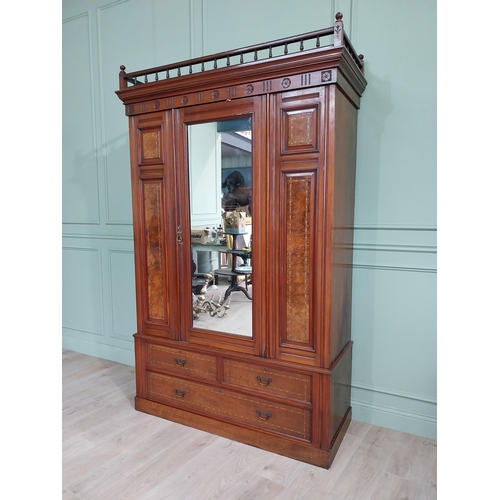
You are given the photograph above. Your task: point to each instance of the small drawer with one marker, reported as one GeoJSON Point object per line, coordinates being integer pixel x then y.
{"type": "Point", "coordinates": [230, 405]}
{"type": "Point", "coordinates": [185, 363]}
{"type": "Point", "coordinates": [268, 380]}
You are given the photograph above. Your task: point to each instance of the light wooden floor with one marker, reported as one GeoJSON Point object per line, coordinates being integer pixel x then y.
{"type": "Point", "coordinates": [238, 319]}
{"type": "Point", "coordinates": [111, 451]}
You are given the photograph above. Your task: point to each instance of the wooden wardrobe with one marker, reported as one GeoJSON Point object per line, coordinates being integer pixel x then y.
{"type": "Point", "coordinates": [273, 369]}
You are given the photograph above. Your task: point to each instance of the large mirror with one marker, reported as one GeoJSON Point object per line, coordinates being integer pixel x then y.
{"type": "Point", "coordinates": [220, 190]}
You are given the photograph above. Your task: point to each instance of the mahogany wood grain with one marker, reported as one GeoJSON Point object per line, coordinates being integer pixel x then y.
{"type": "Point", "coordinates": [303, 109]}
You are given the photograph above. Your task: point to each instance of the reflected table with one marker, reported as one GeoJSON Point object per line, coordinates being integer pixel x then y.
{"type": "Point", "coordinates": [236, 270]}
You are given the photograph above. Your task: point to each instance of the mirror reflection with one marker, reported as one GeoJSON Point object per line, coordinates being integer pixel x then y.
{"type": "Point", "coordinates": [220, 185]}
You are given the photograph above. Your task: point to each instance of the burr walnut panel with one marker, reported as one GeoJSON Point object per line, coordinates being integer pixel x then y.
{"type": "Point", "coordinates": [153, 224]}
{"type": "Point", "coordinates": [150, 147]}
{"type": "Point", "coordinates": [300, 130]}
{"type": "Point", "coordinates": [299, 200]}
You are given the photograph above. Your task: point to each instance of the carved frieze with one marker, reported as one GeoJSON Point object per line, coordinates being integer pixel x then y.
{"type": "Point", "coordinates": [234, 92]}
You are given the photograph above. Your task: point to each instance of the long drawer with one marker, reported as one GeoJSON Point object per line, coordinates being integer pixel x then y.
{"type": "Point", "coordinates": [230, 405]}
{"type": "Point", "coordinates": [185, 363]}
{"type": "Point", "coordinates": [267, 380]}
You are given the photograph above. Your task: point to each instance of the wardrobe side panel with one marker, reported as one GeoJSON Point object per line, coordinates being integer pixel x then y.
{"type": "Point", "coordinates": [344, 174]}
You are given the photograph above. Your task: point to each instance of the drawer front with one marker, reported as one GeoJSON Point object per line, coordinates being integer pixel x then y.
{"type": "Point", "coordinates": [252, 411]}
{"type": "Point", "coordinates": [268, 380]}
{"type": "Point", "coordinates": [185, 363]}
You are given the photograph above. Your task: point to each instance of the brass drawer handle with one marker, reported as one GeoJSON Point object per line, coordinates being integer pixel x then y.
{"type": "Point", "coordinates": [179, 393]}
{"type": "Point", "coordinates": [263, 415]}
{"type": "Point", "coordinates": [179, 362]}
{"type": "Point", "coordinates": [265, 381]}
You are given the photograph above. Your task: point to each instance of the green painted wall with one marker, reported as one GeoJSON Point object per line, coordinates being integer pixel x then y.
{"type": "Point", "coordinates": [394, 302]}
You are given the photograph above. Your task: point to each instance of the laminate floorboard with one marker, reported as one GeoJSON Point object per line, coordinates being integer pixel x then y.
{"type": "Point", "coordinates": [238, 319]}
{"type": "Point", "coordinates": [110, 451]}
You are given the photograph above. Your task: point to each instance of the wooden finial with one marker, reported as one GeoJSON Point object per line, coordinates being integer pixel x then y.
{"type": "Point", "coordinates": [338, 30]}
{"type": "Point", "coordinates": [122, 77]}
{"type": "Point", "coordinates": [361, 58]}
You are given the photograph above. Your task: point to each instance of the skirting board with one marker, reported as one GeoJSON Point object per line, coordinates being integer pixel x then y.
{"type": "Point", "coordinates": [111, 353]}
{"type": "Point", "coordinates": [392, 418]}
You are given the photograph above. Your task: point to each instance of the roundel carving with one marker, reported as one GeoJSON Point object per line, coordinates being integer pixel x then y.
{"type": "Point", "coordinates": [184, 99]}
{"type": "Point", "coordinates": [326, 76]}
{"type": "Point", "coordinates": [286, 82]}
{"type": "Point", "coordinates": [215, 94]}
{"type": "Point", "coordinates": [249, 89]}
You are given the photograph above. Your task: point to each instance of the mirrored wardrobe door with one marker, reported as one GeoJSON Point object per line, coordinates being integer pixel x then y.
{"type": "Point", "coordinates": [220, 205]}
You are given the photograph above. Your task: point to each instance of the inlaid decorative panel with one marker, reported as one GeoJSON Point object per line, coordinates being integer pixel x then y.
{"type": "Point", "coordinates": [300, 130]}
{"type": "Point", "coordinates": [150, 146]}
{"type": "Point", "coordinates": [154, 250]}
{"type": "Point", "coordinates": [298, 242]}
